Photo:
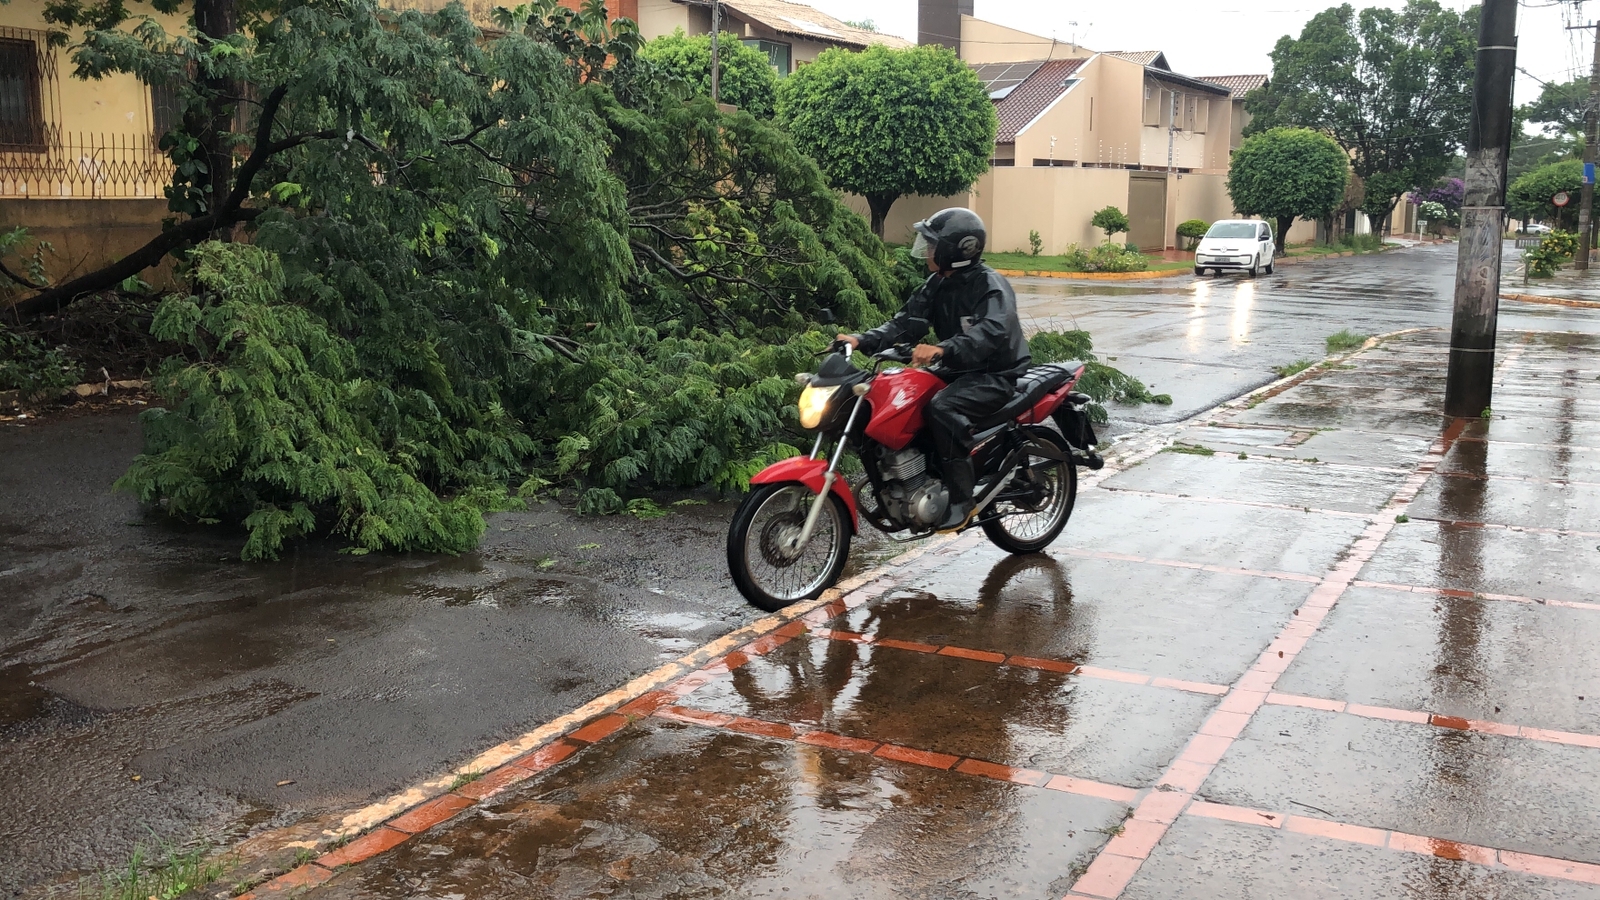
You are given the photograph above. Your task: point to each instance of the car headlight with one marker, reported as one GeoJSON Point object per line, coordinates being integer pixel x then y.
{"type": "Point", "coordinates": [813, 403]}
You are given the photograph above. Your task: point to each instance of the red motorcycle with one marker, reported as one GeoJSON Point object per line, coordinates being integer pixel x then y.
{"type": "Point", "coordinates": [791, 536]}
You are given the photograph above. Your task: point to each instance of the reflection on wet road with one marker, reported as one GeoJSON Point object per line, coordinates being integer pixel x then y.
{"type": "Point", "coordinates": [1293, 703]}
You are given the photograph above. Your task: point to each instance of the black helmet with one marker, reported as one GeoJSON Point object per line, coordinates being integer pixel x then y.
{"type": "Point", "coordinates": [954, 236]}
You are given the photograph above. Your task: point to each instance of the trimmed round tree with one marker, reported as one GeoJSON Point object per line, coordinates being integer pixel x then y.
{"type": "Point", "coordinates": [1530, 195]}
{"type": "Point", "coordinates": [1288, 173]}
{"type": "Point", "coordinates": [884, 123]}
{"type": "Point", "coordinates": [748, 80]}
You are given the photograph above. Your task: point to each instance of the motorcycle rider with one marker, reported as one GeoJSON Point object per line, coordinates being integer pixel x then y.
{"type": "Point", "coordinates": [981, 350]}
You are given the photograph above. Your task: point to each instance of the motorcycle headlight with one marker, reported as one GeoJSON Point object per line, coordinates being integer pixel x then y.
{"type": "Point", "coordinates": [813, 403]}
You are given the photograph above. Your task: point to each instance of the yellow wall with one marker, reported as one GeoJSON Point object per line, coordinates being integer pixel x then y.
{"type": "Point", "coordinates": [986, 42]}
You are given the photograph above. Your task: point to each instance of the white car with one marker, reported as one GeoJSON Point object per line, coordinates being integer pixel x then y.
{"type": "Point", "coordinates": [1537, 228]}
{"type": "Point", "coordinates": [1237, 244]}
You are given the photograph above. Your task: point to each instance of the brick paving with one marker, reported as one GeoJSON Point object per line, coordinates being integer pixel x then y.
{"type": "Point", "coordinates": [1188, 683]}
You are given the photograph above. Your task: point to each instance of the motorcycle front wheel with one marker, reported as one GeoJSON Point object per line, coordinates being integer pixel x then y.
{"type": "Point", "coordinates": [1028, 526]}
{"type": "Point", "coordinates": [768, 570]}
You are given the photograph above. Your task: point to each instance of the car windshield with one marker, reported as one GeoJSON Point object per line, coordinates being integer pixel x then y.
{"type": "Point", "coordinates": [1245, 230]}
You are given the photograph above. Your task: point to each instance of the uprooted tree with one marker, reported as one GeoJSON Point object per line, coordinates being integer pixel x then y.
{"type": "Point", "coordinates": [469, 264]}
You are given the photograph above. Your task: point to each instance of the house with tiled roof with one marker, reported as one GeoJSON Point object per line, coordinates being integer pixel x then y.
{"type": "Point", "coordinates": [1238, 86]}
{"type": "Point", "coordinates": [1080, 130]}
{"type": "Point", "coordinates": [791, 34]}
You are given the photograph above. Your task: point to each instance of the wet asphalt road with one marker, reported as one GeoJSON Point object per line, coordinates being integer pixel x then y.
{"type": "Point", "coordinates": [130, 648]}
{"type": "Point", "coordinates": [1353, 651]}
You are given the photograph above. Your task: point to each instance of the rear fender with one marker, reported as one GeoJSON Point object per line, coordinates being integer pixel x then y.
{"type": "Point", "coordinates": [811, 473]}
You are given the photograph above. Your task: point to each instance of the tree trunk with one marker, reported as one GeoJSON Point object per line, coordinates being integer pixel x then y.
{"type": "Point", "coordinates": [219, 20]}
{"type": "Point", "coordinates": [1377, 222]}
{"type": "Point", "coordinates": [1284, 224]}
{"type": "Point", "coordinates": [880, 202]}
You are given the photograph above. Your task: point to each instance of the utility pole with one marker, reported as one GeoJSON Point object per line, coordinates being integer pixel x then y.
{"type": "Point", "coordinates": [1172, 133]}
{"type": "Point", "coordinates": [1586, 197]}
{"type": "Point", "coordinates": [1469, 384]}
{"type": "Point", "coordinates": [716, 69]}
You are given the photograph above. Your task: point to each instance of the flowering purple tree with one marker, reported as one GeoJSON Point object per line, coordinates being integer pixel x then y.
{"type": "Point", "coordinates": [1449, 192]}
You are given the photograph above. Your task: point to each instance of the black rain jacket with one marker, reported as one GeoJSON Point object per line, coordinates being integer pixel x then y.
{"type": "Point", "coordinates": [974, 313]}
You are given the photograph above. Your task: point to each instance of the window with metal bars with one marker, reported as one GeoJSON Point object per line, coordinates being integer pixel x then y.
{"type": "Point", "coordinates": [165, 112]}
{"type": "Point", "coordinates": [21, 103]}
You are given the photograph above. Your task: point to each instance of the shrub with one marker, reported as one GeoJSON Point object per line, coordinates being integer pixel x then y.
{"type": "Point", "coordinates": [748, 80]}
{"type": "Point", "coordinates": [1192, 231]}
{"type": "Point", "coordinates": [1564, 244]}
{"type": "Point", "coordinates": [33, 369]}
{"type": "Point", "coordinates": [1035, 243]}
{"type": "Point", "coordinates": [1114, 258]}
{"type": "Point", "coordinates": [1110, 220]}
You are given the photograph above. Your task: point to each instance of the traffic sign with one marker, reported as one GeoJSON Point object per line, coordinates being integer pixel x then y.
{"type": "Point", "coordinates": [1561, 198]}
{"type": "Point", "coordinates": [1588, 173]}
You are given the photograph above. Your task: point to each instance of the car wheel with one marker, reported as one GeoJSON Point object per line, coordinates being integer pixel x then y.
{"type": "Point", "coordinates": [1269, 267]}
{"type": "Point", "coordinates": [1199, 272]}
{"type": "Point", "coordinates": [1254, 266]}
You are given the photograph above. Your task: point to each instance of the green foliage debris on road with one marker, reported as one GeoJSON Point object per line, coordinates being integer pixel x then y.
{"type": "Point", "coordinates": [1104, 383]}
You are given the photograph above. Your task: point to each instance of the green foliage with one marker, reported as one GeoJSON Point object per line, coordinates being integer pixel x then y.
{"type": "Point", "coordinates": [1110, 220]}
{"type": "Point", "coordinates": [747, 78]}
{"type": "Point", "coordinates": [1294, 368]}
{"type": "Point", "coordinates": [1362, 243]}
{"type": "Point", "coordinates": [1392, 86]}
{"type": "Point", "coordinates": [1105, 257]}
{"type": "Point", "coordinates": [1104, 383]}
{"type": "Point", "coordinates": [1189, 449]}
{"type": "Point", "coordinates": [1556, 248]}
{"type": "Point", "coordinates": [563, 273]}
{"type": "Point", "coordinates": [165, 874]}
{"type": "Point", "coordinates": [1530, 195]}
{"type": "Point", "coordinates": [32, 368]}
{"type": "Point", "coordinates": [31, 263]}
{"type": "Point", "coordinates": [883, 123]}
{"type": "Point", "coordinates": [270, 422]}
{"type": "Point", "coordinates": [1560, 107]}
{"type": "Point", "coordinates": [1192, 231]}
{"type": "Point", "coordinates": [1285, 173]}
{"type": "Point", "coordinates": [1343, 340]}
{"type": "Point", "coordinates": [1035, 243]}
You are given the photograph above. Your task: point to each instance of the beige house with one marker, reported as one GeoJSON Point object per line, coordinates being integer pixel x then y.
{"type": "Point", "coordinates": [1081, 130]}
{"type": "Point", "coordinates": [791, 34]}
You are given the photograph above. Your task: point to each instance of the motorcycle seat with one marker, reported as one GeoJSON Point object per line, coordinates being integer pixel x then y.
{"type": "Point", "coordinates": [1031, 388]}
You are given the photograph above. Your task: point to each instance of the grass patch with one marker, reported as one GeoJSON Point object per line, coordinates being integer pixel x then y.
{"type": "Point", "coordinates": [1346, 339]}
{"type": "Point", "coordinates": [1294, 368]}
{"type": "Point", "coordinates": [1191, 449]}
{"type": "Point", "coordinates": [1027, 263]}
{"type": "Point", "coordinates": [166, 874]}
{"type": "Point", "coordinates": [464, 778]}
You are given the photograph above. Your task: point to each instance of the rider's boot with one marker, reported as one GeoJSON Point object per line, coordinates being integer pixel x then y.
{"type": "Point", "coordinates": [958, 480]}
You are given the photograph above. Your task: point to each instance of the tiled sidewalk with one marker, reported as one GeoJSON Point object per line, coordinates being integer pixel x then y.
{"type": "Point", "coordinates": [1352, 652]}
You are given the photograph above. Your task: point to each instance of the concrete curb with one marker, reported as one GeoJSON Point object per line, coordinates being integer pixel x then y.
{"type": "Point", "coordinates": [1093, 276]}
{"type": "Point", "coordinates": [1552, 301]}
{"type": "Point", "coordinates": [387, 823]}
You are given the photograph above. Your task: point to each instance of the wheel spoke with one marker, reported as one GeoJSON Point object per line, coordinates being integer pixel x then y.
{"type": "Point", "coordinates": [769, 557]}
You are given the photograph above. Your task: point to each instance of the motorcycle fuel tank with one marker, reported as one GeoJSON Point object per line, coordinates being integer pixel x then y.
{"type": "Point", "coordinates": [898, 398]}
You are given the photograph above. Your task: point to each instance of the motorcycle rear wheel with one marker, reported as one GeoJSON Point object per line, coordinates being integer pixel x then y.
{"type": "Point", "coordinates": [1021, 530]}
{"type": "Point", "coordinates": [762, 572]}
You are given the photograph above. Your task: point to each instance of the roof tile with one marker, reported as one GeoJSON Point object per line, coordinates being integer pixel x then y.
{"type": "Point", "coordinates": [1030, 98]}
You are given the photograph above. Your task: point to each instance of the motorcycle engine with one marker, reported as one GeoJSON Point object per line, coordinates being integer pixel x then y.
{"type": "Point", "coordinates": [908, 495]}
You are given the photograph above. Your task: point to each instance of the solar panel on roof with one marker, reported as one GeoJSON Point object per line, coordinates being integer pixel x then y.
{"type": "Point", "coordinates": [997, 77]}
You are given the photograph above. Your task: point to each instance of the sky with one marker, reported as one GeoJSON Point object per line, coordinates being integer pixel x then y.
{"type": "Point", "coordinates": [1234, 37]}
